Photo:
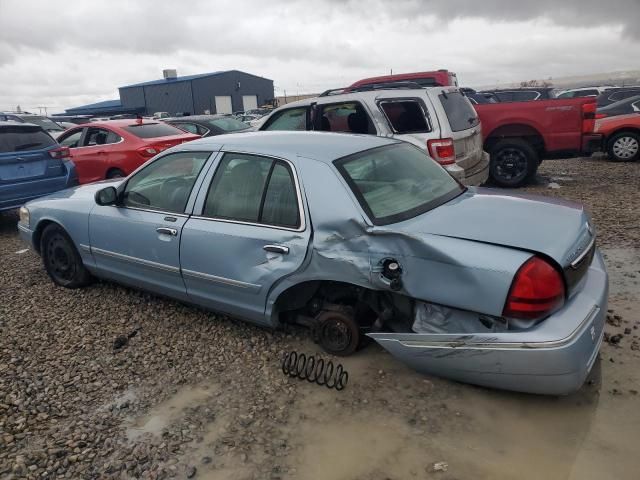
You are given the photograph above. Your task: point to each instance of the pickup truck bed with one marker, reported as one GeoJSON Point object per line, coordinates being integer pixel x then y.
{"type": "Point", "coordinates": [519, 135]}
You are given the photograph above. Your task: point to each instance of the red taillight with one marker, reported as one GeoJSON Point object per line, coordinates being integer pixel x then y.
{"type": "Point", "coordinates": [601, 115]}
{"type": "Point", "coordinates": [442, 151]}
{"type": "Point", "coordinates": [536, 291]}
{"type": "Point", "coordinates": [61, 152]}
{"type": "Point", "coordinates": [589, 117]}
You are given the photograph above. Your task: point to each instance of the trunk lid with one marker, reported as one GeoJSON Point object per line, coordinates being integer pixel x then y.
{"type": "Point", "coordinates": [555, 228]}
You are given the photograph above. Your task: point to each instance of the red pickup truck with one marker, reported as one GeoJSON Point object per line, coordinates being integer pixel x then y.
{"type": "Point", "coordinates": [519, 135]}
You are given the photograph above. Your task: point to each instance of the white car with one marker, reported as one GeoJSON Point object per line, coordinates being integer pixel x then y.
{"type": "Point", "coordinates": [439, 120]}
{"type": "Point", "coordinates": [583, 92]}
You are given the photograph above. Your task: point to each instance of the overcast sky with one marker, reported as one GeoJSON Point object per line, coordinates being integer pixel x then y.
{"type": "Point", "coordinates": [64, 53]}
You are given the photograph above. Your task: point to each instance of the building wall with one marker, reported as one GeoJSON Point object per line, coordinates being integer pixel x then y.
{"type": "Point", "coordinates": [132, 97]}
{"type": "Point", "coordinates": [207, 88]}
{"type": "Point", "coordinates": [197, 95]}
{"type": "Point", "coordinates": [171, 97]}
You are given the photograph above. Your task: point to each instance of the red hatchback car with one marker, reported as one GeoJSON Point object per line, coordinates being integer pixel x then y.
{"type": "Point", "coordinates": [115, 148]}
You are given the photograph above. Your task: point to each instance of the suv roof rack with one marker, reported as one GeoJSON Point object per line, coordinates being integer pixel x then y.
{"type": "Point", "coordinates": [333, 91]}
{"type": "Point", "coordinates": [387, 86]}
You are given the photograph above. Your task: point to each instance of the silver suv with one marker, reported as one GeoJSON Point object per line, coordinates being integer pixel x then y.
{"type": "Point", "coordinates": [440, 120]}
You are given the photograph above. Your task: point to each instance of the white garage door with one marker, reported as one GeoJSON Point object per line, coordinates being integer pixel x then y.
{"type": "Point", "coordinates": [249, 102]}
{"type": "Point", "coordinates": [223, 105]}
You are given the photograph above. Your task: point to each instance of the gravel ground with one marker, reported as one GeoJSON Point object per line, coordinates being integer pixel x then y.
{"type": "Point", "coordinates": [107, 382]}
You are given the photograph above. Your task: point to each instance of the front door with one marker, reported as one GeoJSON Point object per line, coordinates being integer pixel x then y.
{"type": "Point", "coordinates": [138, 241]}
{"type": "Point", "coordinates": [249, 232]}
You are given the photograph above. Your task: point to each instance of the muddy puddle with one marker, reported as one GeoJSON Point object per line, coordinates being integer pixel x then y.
{"type": "Point", "coordinates": [391, 423]}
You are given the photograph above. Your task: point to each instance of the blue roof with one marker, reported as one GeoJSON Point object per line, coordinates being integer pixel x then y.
{"type": "Point", "coordinates": [107, 104]}
{"type": "Point", "coordinates": [186, 78]}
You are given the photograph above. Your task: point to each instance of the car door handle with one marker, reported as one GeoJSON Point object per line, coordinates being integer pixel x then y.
{"type": "Point", "coordinates": [276, 249]}
{"type": "Point", "coordinates": [167, 231]}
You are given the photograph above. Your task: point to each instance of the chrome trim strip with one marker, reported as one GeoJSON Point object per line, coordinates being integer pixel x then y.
{"type": "Point", "coordinates": [301, 211]}
{"type": "Point", "coordinates": [214, 278]}
{"type": "Point", "coordinates": [503, 345]}
{"type": "Point", "coordinates": [584, 253]}
{"type": "Point", "coordinates": [170, 214]}
{"type": "Point", "coordinates": [24, 228]}
{"type": "Point", "coordinates": [139, 261]}
{"type": "Point", "coordinates": [85, 248]}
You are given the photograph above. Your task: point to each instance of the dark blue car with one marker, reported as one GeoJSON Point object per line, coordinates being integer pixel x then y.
{"type": "Point", "coordinates": [32, 164]}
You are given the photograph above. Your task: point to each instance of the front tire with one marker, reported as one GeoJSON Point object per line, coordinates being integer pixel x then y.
{"type": "Point", "coordinates": [61, 259]}
{"type": "Point", "coordinates": [513, 163]}
{"type": "Point", "coordinates": [624, 147]}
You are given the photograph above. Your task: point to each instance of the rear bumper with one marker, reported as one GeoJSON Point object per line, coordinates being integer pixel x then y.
{"type": "Point", "coordinates": [592, 143]}
{"type": "Point", "coordinates": [552, 358]}
{"type": "Point", "coordinates": [474, 176]}
{"type": "Point", "coordinates": [14, 195]}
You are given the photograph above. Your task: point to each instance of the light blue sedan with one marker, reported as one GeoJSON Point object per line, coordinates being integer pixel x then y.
{"type": "Point", "coordinates": [352, 236]}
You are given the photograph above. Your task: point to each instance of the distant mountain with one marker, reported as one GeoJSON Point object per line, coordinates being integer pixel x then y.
{"type": "Point", "coordinates": [629, 77]}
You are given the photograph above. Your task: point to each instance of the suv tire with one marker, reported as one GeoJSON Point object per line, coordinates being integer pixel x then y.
{"type": "Point", "coordinates": [514, 162]}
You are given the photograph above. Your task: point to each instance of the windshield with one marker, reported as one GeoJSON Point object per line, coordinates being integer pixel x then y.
{"type": "Point", "coordinates": [397, 182]}
{"type": "Point", "coordinates": [228, 124]}
{"type": "Point", "coordinates": [44, 122]}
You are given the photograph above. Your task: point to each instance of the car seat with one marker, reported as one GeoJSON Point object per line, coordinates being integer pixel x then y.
{"type": "Point", "coordinates": [357, 122]}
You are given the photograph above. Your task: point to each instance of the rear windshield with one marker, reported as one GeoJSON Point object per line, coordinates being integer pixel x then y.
{"type": "Point", "coordinates": [152, 130]}
{"type": "Point", "coordinates": [459, 111]}
{"type": "Point", "coordinates": [21, 139]}
{"type": "Point", "coordinates": [397, 182]}
{"type": "Point", "coordinates": [405, 116]}
{"type": "Point", "coordinates": [228, 124]}
{"type": "Point", "coordinates": [44, 122]}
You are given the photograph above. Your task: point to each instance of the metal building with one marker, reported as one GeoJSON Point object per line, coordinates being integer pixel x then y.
{"type": "Point", "coordinates": [216, 92]}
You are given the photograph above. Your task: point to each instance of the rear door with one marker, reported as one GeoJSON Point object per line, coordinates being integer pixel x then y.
{"type": "Point", "coordinates": [248, 232]}
{"type": "Point", "coordinates": [460, 122]}
{"type": "Point", "coordinates": [24, 158]}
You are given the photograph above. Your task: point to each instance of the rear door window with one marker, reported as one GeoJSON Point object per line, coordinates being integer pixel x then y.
{"type": "Point", "coordinates": [525, 96]}
{"type": "Point", "coordinates": [290, 119]}
{"type": "Point", "coordinates": [21, 139]}
{"type": "Point", "coordinates": [153, 130]}
{"type": "Point", "coordinates": [586, 93]}
{"type": "Point", "coordinates": [349, 117]}
{"type": "Point", "coordinates": [250, 188]}
{"type": "Point", "coordinates": [405, 116]}
{"type": "Point", "coordinates": [71, 139]}
{"type": "Point", "coordinates": [100, 136]}
{"type": "Point", "coordinates": [459, 110]}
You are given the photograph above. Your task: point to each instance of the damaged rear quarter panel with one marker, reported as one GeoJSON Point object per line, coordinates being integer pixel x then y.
{"type": "Point", "coordinates": [346, 247]}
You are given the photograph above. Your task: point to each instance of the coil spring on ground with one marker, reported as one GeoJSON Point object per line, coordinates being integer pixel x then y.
{"type": "Point", "coordinates": [315, 371]}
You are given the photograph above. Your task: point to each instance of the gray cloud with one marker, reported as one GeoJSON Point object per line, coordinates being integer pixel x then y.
{"type": "Point", "coordinates": [67, 52]}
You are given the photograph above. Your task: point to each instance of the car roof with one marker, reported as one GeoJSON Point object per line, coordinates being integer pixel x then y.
{"type": "Point", "coordinates": [120, 123]}
{"type": "Point", "coordinates": [194, 118]}
{"type": "Point", "coordinates": [9, 123]}
{"type": "Point", "coordinates": [322, 146]}
{"type": "Point", "coordinates": [371, 95]}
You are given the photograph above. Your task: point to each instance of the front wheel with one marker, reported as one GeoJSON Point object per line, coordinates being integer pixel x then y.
{"type": "Point", "coordinates": [513, 163]}
{"type": "Point", "coordinates": [114, 173]}
{"type": "Point", "coordinates": [61, 259]}
{"type": "Point", "coordinates": [624, 147]}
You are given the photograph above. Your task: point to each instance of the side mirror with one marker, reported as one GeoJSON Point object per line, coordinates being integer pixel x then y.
{"type": "Point", "coordinates": [106, 196]}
